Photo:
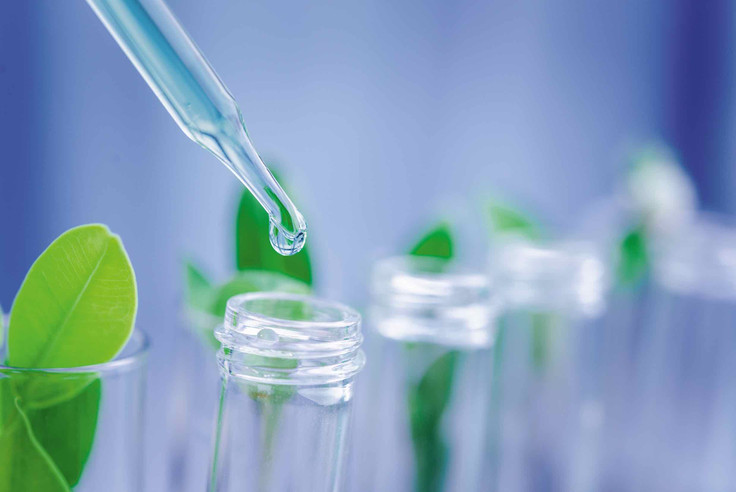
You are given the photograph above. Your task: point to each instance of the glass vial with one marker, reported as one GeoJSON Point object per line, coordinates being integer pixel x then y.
{"type": "Point", "coordinates": [288, 364]}
{"type": "Point", "coordinates": [550, 377]}
{"type": "Point", "coordinates": [81, 430]}
{"type": "Point", "coordinates": [425, 403]}
{"type": "Point", "coordinates": [682, 398]}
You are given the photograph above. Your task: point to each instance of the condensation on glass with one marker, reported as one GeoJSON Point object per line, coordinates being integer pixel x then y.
{"type": "Point", "coordinates": [288, 364]}
{"type": "Point", "coordinates": [423, 409]}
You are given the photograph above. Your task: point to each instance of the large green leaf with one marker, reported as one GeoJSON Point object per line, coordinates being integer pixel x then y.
{"type": "Point", "coordinates": [77, 304]}
{"type": "Point", "coordinates": [76, 307]}
{"type": "Point", "coordinates": [25, 465]}
{"type": "Point", "coordinates": [253, 248]}
{"type": "Point", "coordinates": [66, 430]}
{"type": "Point", "coordinates": [436, 243]}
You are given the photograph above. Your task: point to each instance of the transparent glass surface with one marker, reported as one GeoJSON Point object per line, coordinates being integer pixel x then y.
{"type": "Point", "coordinates": [678, 431]}
{"type": "Point", "coordinates": [188, 87]}
{"type": "Point", "coordinates": [423, 403]}
{"type": "Point", "coordinates": [553, 367]}
{"type": "Point", "coordinates": [84, 435]}
{"type": "Point", "coordinates": [288, 365]}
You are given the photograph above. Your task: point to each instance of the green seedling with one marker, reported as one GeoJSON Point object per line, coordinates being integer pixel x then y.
{"type": "Point", "coordinates": [76, 307]}
{"type": "Point", "coordinates": [430, 396]}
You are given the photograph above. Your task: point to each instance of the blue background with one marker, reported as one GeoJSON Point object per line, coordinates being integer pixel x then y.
{"type": "Point", "coordinates": [381, 115]}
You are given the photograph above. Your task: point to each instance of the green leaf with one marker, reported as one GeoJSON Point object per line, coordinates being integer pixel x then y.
{"type": "Point", "coordinates": [202, 320]}
{"type": "Point", "coordinates": [254, 281]}
{"type": "Point", "coordinates": [428, 401]}
{"type": "Point", "coordinates": [506, 220]}
{"type": "Point", "coordinates": [542, 325]}
{"type": "Point", "coordinates": [199, 289]}
{"type": "Point", "coordinates": [429, 398]}
{"type": "Point", "coordinates": [253, 248]}
{"type": "Point", "coordinates": [25, 465]}
{"type": "Point", "coordinates": [66, 430]}
{"type": "Point", "coordinates": [76, 307]}
{"type": "Point", "coordinates": [436, 243]}
{"type": "Point", "coordinates": [633, 257]}
{"type": "Point", "coordinates": [77, 304]}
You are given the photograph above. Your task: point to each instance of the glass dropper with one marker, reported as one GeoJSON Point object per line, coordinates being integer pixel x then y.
{"type": "Point", "coordinates": [185, 83]}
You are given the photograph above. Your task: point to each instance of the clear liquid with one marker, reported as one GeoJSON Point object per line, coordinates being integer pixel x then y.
{"type": "Point", "coordinates": [199, 102]}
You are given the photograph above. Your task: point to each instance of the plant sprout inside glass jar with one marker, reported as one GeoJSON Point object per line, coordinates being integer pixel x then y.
{"type": "Point", "coordinates": [429, 389]}
{"type": "Point", "coordinates": [287, 363]}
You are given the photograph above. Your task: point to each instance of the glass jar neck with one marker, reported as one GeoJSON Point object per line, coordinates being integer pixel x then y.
{"type": "Point", "coordinates": [699, 260]}
{"type": "Point", "coordinates": [277, 338]}
{"type": "Point", "coordinates": [422, 299]}
{"type": "Point", "coordinates": [567, 277]}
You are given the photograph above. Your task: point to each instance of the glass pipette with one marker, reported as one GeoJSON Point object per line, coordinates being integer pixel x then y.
{"type": "Point", "coordinates": [177, 71]}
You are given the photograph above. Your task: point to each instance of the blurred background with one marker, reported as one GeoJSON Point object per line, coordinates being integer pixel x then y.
{"type": "Point", "coordinates": [380, 115]}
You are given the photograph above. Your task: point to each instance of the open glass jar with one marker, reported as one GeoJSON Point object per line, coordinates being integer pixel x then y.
{"type": "Point", "coordinates": [75, 428]}
{"type": "Point", "coordinates": [425, 404]}
{"type": "Point", "coordinates": [287, 364]}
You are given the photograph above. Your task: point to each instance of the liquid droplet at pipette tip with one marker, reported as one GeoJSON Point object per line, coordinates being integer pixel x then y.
{"type": "Point", "coordinates": [284, 242]}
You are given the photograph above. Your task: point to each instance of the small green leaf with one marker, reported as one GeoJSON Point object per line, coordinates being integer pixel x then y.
{"type": "Point", "coordinates": [253, 248]}
{"type": "Point", "coordinates": [436, 243]}
{"type": "Point", "coordinates": [542, 325]}
{"type": "Point", "coordinates": [25, 465]}
{"type": "Point", "coordinates": [203, 320]}
{"type": "Point", "coordinates": [506, 220]}
{"type": "Point", "coordinates": [254, 281]}
{"type": "Point", "coordinates": [428, 401]}
{"type": "Point", "coordinates": [429, 398]}
{"type": "Point", "coordinates": [77, 304]}
{"type": "Point", "coordinates": [199, 289]}
{"type": "Point", "coordinates": [633, 257]}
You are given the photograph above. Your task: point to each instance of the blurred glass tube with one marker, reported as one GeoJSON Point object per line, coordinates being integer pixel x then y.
{"type": "Point", "coordinates": [429, 388]}
{"type": "Point", "coordinates": [287, 363]}
{"type": "Point", "coordinates": [549, 376]}
{"type": "Point", "coordinates": [682, 401]}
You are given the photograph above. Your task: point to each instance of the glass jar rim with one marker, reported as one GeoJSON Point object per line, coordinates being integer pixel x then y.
{"type": "Point", "coordinates": [132, 356]}
{"type": "Point", "coordinates": [565, 275]}
{"type": "Point", "coordinates": [424, 280]}
{"type": "Point", "coordinates": [321, 338]}
{"type": "Point", "coordinates": [237, 314]}
{"type": "Point", "coordinates": [699, 258]}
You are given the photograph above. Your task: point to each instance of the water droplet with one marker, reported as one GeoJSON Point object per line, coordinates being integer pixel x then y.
{"type": "Point", "coordinates": [284, 242]}
{"type": "Point", "coordinates": [268, 335]}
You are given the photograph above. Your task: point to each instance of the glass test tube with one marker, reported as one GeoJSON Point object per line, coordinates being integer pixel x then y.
{"type": "Point", "coordinates": [427, 392]}
{"type": "Point", "coordinates": [682, 405]}
{"type": "Point", "coordinates": [85, 435]}
{"type": "Point", "coordinates": [548, 385]}
{"type": "Point", "coordinates": [288, 363]}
